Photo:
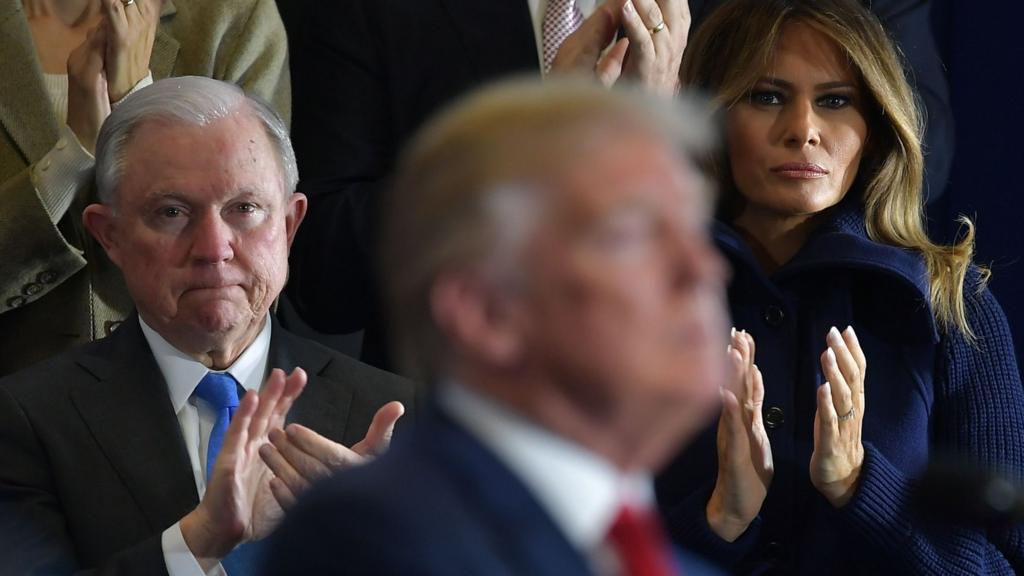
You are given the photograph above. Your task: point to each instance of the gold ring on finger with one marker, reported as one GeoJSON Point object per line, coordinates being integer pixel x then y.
{"type": "Point", "coordinates": [658, 28]}
{"type": "Point", "coordinates": [849, 415]}
{"type": "Point", "coordinates": [127, 3]}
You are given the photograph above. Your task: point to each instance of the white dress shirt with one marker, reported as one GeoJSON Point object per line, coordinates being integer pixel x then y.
{"type": "Point", "coordinates": [537, 7]}
{"type": "Point", "coordinates": [581, 491]}
{"type": "Point", "coordinates": [182, 374]}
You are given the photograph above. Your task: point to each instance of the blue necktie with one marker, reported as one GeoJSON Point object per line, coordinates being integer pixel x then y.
{"type": "Point", "coordinates": [220, 391]}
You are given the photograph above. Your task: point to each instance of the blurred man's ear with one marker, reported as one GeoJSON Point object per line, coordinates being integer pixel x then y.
{"type": "Point", "coordinates": [101, 223]}
{"type": "Point", "coordinates": [296, 211]}
{"type": "Point", "coordinates": [477, 318]}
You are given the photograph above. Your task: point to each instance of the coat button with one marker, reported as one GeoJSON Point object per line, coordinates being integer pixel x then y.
{"type": "Point", "coordinates": [775, 550]}
{"type": "Point", "coordinates": [110, 325]}
{"type": "Point", "coordinates": [32, 288]}
{"type": "Point", "coordinates": [47, 277]}
{"type": "Point", "coordinates": [16, 302]}
{"type": "Point", "coordinates": [774, 316]}
{"type": "Point", "coordinates": [774, 417]}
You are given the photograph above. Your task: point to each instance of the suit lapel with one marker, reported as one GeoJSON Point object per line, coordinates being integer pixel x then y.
{"type": "Point", "coordinates": [322, 406]}
{"type": "Point", "coordinates": [129, 413]}
{"type": "Point", "coordinates": [165, 47]}
{"type": "Point", "coordinates": [25, 109]}
{"type": "Point", "coordinates": [497, 35]}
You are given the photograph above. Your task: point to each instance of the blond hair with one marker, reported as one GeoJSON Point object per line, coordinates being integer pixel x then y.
{"type": "Point", "coordinates": [732, 49]}
{"type": "Point", "coordinates": [447, 210]}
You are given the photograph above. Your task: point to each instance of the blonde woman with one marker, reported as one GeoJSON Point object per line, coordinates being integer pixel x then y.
{"type": "Point", "coordinates": [876, 348]}
{"type": "Point", "coordinates": [65, 63]}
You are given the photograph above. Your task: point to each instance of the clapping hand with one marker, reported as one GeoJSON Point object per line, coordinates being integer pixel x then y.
{"type": "Point", "coordinates": [649, 54]}
{"type": "Point", "coordinates": [745, 467]}
{"type": "Point", "coordinates": [838, 450]}
{"type": "Point", "coordinates": [298, 456]}
{"type": "Point", "coordinates": [238, 505]}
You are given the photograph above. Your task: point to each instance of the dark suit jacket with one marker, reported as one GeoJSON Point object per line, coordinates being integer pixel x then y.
{"type": "Point", "coordinates": [465, 513]}
{"type": "Point", "coordinates": [93, 467]}
{"type": "Point", "coordinates": [437, 503]}
{"type": "Point", "coordinates": [366, 74]}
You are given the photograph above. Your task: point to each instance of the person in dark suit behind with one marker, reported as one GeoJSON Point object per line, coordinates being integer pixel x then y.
{"type": "Point", "coordinates": [366, 74]}
{"type": "Point", "coordinates": [114, 456]}
{"type": "Point", "coordinates": [549, 263]}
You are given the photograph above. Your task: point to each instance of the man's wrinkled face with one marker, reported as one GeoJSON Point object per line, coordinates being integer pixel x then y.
{"type": "Point", "coordinates": [625, 291]}
{"type": "Point", "coordinates": [202, 227]}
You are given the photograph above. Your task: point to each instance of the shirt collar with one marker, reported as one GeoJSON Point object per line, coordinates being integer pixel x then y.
{"type": "Point", "coordinates": [580, 490]}
{"type": "Point", "coordinates": [183, 373]}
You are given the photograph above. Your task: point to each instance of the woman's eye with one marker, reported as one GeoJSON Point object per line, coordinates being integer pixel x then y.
{"type": "Point", "coordinates": [765, 98]}
{"type": "Point", "coordinates": [833, 101]}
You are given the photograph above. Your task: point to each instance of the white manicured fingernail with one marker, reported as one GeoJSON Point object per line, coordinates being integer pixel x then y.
{"type": "Point", "coordinates": [834, 332]}
{"type": "Point", "coordinates": [831, 357]}
{"type": "Point", "coordinates": [728, 349]}
{"type": "Point", "coordinates": [733, 333]}
{"type": "Point", "coordinates": [828, 387]}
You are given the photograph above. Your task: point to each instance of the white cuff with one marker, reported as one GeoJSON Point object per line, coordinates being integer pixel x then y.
{"type": "Point", "coordinates": [139, 86]}
{"type": "Point", "coordinates": [58, 176]}
{"type": "Point", "coordinates": [179, 559]}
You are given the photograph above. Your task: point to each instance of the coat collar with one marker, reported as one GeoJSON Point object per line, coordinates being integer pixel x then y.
{"type": "Point", "coordinates": [479, 21]}
{"type": "Point", "coordinates": [840, 243]}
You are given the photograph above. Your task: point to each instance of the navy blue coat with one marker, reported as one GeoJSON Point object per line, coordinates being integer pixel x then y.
{"type": "Point", "coordinates": [926, 392]}
{"type": "Point", "coordinates": [439, 503]}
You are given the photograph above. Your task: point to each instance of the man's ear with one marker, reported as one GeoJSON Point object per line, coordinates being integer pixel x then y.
{"type": "Point", "coordinates": [296, 211]}
{"type": "Point", "coordinates": [101, 223]}
{"type": "Point", "coordinates": [477, 317]}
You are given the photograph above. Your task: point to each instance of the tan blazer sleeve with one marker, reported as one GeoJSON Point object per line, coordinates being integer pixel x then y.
{"type": "Point", "coordinates": [36, 257]}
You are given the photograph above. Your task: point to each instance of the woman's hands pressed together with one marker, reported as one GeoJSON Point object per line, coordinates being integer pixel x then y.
{"type": "Point", "coordinates": [745, 466]}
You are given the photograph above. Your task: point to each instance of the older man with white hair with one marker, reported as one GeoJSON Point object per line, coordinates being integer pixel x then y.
{"type": "Point", "coordinates": [141, 453]}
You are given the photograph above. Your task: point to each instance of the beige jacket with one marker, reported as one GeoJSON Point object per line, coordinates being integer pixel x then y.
{"type": "Point", "coordinates": [57, 288]}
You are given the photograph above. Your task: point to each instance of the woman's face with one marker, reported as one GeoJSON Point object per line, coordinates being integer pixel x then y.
{"type": "Point", "coordinates": [795, 144]}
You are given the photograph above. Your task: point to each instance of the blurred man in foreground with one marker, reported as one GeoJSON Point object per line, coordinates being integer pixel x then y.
{"type": "Point", "coordinates": [549, 264]}
{"type": "Point", "coordinates": [119, 456]}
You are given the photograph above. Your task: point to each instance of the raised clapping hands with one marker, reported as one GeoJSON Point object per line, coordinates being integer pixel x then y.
{"type": "Point", "coordinates": [298, 456]}
{"type": "Point", "coordinates": [649, 54]}
{"type": "Point", "coordinates": [113, 58]}
{"type": "Point", "coordinates": [745, 466]}
{"type": "Point", "coordinates": [838, 450]}
{"type": "Point", "coordinates": [261, 468]}
{"type": "Point", "coordinates": [238, 505]}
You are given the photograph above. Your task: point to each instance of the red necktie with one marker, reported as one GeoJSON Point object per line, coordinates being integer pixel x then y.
{"type": "Point", "coordinates": [561, 18]}
{"type": "Point", "coordinates": [641, 544]}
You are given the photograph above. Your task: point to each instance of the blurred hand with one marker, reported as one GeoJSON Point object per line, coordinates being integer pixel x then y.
{"type": "Point", "coordinates": [657, 31]}
{"type": "Point", "coordinates": [838, 451]}
{"type": "Point", "coordinates": [583, 52]}
{"type": "Point", "coordinates": [238, 505]}
{"type": "Point", "coordinates": [88, 103]}
{"type": "Point", "coordinates": [745, 466]}
{"type": "Point", "coordinates": [131, 31]}
{"type": "Point", "coordinates": [298, 457]}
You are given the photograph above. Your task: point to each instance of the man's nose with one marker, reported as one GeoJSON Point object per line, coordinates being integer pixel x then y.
{"type": "Point", "coordinates": [212, 238]}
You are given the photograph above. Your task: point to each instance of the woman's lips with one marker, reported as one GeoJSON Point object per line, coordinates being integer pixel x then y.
{"type": "Point", "coordinates": [800, 171]}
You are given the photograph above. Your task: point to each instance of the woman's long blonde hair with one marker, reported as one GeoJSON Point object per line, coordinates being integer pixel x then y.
{"type": "Point", "coordinates": [732, 49]}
